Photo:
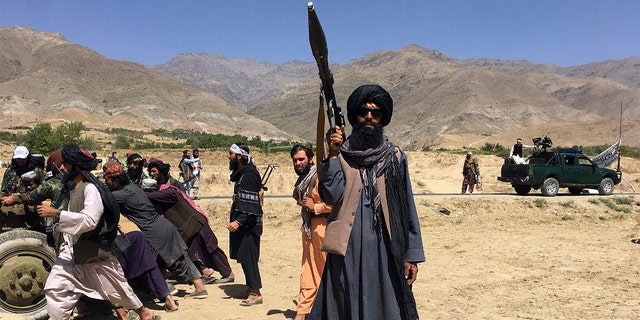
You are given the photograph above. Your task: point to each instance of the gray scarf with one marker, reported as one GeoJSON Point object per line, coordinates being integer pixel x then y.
{"type": "Point", "coordinates": [301, 191]}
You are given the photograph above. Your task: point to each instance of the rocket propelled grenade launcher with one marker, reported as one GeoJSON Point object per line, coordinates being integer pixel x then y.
{"type": "Point", "coordinates": [320, 52]}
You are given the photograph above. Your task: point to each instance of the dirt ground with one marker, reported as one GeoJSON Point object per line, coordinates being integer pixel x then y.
{"type": "Point", "coordinates": [490, 255]}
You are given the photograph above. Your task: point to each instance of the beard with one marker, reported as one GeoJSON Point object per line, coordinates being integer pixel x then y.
{"type": "Point", "coordinates": [68, 177]}
{"type": "Point", "coordinates": [304, 170]}
{"type": "Point", "coordinates": [134, 173]}
{"type": "Point", "coordinates": [233, 164]}
{"type": "Point", "coordinates": [364, 138]}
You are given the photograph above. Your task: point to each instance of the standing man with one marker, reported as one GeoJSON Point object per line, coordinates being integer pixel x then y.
{"type": "Point", "coordinates": [470, 171]}
{"type": "Point", "coordinates": [373, 237]}
{"type": "Point", "coordinates": [87, 223]}
{"type": "Point", "coordinates": [516, 150]}
{"type": "Point", "coordinates": [186, 170]}
{"type": "Point", "coordinates": [245, 224]}
{"type": "Point", "coordinates": [196, 164]}
{"type": "Point", "coordinates": [314, 215]}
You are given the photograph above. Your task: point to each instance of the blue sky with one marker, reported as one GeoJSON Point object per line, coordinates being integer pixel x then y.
{"type": "Point", "coordinates": [560, 32]}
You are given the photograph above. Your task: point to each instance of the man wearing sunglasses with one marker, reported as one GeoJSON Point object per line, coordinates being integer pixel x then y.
{"type": "Point", "coordinates": [373, 236]}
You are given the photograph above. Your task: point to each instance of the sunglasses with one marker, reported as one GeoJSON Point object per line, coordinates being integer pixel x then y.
{"type": "Point", "coordinates": [376, 113]}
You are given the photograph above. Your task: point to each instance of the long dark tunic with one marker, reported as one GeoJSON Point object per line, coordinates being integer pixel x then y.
{"type": "Point", "coordinates": [159, 232]}
{"type": "Point", "coordinates": [244, 243]}
{"type": "Point", "coordinates": [139, 265]}
{"type": "Point", "coordinates": [193, 227]}
{"type": "Point", "coordinates": [359, 285]}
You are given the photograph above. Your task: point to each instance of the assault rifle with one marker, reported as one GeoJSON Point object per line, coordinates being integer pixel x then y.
{"type": "Point", "coordinates": [320, 52]}
{"type": "Point", "coordinates": [266, 175]}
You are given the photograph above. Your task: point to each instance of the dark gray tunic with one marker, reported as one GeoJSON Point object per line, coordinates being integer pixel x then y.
{"type": "Point", "coordinates": [159, 232]}
{"type": "Point", "coordinates": [359, 285]}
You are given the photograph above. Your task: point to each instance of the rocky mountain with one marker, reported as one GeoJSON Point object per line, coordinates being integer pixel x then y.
{"type": "Point", "coordinates": [44, 78]}
{"type": "Point", "coordinates": [440, 101]}
{"type": "Point", "coordinates": [625, 71]}
{"type": "Point", "coordinates": [242, 82]}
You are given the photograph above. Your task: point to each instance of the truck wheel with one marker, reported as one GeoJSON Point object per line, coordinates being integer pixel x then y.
{"type": "Point", "coordinates": [25, 263]}
{"type": "Point", "coordinates": [575, 190]}
{"type": "Point", "coordinates": [550, 187]}
{"type": "Point", "coordinates": [606, 187]}
{"type": "Point", "coordinates": [522, 190]}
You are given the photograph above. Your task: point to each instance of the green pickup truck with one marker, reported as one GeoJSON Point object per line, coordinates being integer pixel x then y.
{"type": "Point", "coordinates": [550, 171]}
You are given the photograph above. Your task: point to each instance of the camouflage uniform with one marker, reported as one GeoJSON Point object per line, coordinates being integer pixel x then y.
{"type": "Point", "coordinates": [11, 180]}
{"type": "Point", "coordinates": [48, 189]}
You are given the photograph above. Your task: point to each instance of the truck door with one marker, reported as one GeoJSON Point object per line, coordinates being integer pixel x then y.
{"type": "Point", "coordinates": [571, 171]}
{"type": "Point", "coordinates": [588, 172]}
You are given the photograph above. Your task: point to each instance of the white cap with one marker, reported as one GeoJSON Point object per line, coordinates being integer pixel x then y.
{"type": "Point", "coordinates": [28, 176]}
{"type": "Point", "coordinates": [149, 184]}
{"type": "Point", "coordinates": [21, 152]}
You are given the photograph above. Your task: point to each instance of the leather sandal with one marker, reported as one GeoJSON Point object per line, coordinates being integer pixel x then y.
{"type": "Point", "coordinates": [252, 300]}
{"type": "Point", "coordinates": [167, 309]}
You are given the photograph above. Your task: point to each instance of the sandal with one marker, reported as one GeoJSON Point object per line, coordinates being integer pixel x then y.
{"type": "Point", "coordinates": [224, 280]}
{"type": "Point", "coordinates": [209, 279]}
{"type": "Point", "coordinates": [132, 315]}
{"type": "Point", "coordinates": [252, 300]}
{"type": "Point", "coordinates": [167, 309]}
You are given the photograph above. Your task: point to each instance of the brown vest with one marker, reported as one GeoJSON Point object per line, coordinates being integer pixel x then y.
{"type": "Point", "coordinates": [87, 249]}
{"type": "Point", "coordinates": [185, 218]}
{"type": "Point", "coordinates": [343, 214]}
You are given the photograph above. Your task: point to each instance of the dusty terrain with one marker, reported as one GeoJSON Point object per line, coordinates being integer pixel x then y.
{"type": "Point", "coordinates": [490, 255]}
{"type": "Point", "coordinates": [494, 256]}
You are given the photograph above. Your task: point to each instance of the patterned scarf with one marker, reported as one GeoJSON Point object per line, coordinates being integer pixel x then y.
{"type": "Point", "coordinates": [373, 163]}
{"type": "Point", "coordinates": [301, 191]}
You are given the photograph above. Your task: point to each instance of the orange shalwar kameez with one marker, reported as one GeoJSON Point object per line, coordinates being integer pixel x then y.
{"type": "Point", "coordinates": [313, 260]}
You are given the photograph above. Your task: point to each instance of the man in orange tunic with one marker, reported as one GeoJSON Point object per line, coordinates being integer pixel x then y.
{"type": "Point", "coordinates": [314, 214]}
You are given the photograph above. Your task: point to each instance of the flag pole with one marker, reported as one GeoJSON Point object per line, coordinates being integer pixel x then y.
{"type": "Point", "coordinates": [620, 138]}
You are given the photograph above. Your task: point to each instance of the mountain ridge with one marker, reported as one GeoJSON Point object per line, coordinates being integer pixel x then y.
{"type": "Point", "coordinates": [439, 101]}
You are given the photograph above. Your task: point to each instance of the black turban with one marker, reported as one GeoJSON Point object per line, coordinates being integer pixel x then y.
{"type": "Point", "coordinates": [108, 225]}
{"type": "Point", "coordinates": [370, 93]}
{"type": "Point", "coordinates": [83, 159]}
{"type": "Point", "coordinates": [161, 166]}
{"type": "Point", "coordinates": [134, 157]}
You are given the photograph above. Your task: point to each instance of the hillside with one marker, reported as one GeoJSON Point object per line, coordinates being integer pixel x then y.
{"type": "Point", "coordinates": [440, 102]}
{"type": "Point", "coordinates": [443, 102]}
{"type": "Point", "coordinates": [43, 77]}
{"type": "Point", "coordinates": [241, 82]}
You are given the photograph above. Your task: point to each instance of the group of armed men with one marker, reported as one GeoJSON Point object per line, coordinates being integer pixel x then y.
{"type": "Point", "coordinates": [361, 239]}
